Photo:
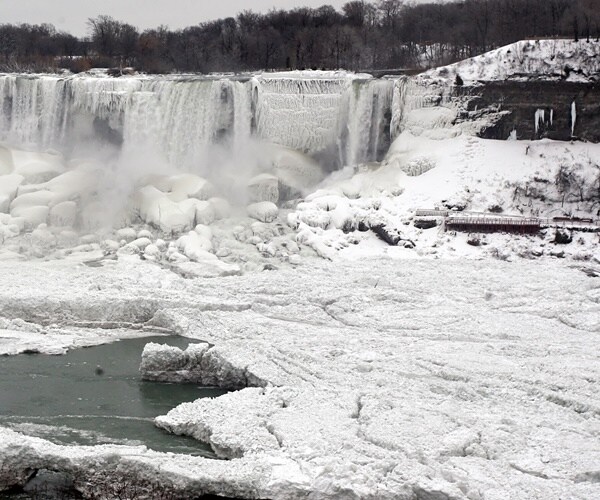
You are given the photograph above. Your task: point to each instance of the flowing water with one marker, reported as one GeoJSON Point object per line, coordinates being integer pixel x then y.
{"type": "Point", "coordinates": [95, 396]}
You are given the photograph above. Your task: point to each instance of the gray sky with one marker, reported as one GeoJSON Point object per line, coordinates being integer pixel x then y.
{"type": "Point", "coordinates": [71, 15]}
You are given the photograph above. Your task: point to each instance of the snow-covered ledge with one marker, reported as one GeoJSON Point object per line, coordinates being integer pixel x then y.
{"type": "Point", "coordinates": [104, 471]}
{"type": "Point", "coordinates": [199, 363]}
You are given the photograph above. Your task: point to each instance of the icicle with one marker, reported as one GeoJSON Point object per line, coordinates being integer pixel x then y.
{"type": "Point", "coordinates": [540, 119]}
{"type": "Point", "coordinates": [573, 118]}
{"type": "Point", "coordinates": [551, 117]}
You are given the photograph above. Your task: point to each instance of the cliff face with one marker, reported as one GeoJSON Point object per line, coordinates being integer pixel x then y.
{"type": "Point", "coordinates": [534, 109]}
{"type": "Point", "coordinates": [525, 89]}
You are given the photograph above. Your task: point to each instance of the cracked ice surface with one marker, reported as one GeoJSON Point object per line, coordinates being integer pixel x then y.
{"type": "Point", "coordinates": [375, 379]}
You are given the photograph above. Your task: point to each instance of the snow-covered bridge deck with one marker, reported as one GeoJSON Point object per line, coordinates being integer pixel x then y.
{"type": "Point", "coordinates": [490, 222]}
{"type": "Point", "coordinates": [484, 224]}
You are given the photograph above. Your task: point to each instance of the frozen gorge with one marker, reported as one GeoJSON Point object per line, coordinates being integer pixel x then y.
{"type": "Point", "coordinates": [270, 218]}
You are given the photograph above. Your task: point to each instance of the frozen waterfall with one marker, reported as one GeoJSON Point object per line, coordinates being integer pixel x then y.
{"type": "Point", "coordinates": [341, 118]}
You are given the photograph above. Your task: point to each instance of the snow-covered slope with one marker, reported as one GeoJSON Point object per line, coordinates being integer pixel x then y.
{"type": "Point", "coordinates": [528, 60]}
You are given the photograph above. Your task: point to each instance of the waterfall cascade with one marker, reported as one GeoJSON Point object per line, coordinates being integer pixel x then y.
{"type": "Point", "coordinates": [342, 117]}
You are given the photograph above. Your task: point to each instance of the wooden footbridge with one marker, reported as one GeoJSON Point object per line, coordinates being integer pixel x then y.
{"type": "Point", "coordinates": [484, 222]}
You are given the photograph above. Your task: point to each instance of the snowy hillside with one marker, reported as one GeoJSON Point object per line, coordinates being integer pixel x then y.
{"type": "Point", "coordinates": [528, 60]}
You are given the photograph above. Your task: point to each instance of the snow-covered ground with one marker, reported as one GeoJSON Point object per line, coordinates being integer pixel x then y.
{"type": "Point", "coordinates": [382, 378]}
{"type": "Point", "coordinates": [444, 168]}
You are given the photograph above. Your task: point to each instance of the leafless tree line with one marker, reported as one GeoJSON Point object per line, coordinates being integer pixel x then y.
{"type": "Point", "coordinates": [364, 35]}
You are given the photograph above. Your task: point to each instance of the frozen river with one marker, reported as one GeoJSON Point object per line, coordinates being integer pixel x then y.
{"type": "Point", "coordinates": [94, 396]}
{"type": "Point", "coordinates": [373, 379]}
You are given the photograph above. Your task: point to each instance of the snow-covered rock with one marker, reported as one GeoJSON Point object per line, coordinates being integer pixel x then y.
{"type": "Point", "coordinates": [205, 212]}
{"type": "Point", "coordinates": [144, 233]}
{"type": "Point", "coordinates": [186, 186]}
{"type": "Point", "coordinates": [32, 215]}
{"type": "Point", "coordinates": [141, 243]}
{"type": "Point", "coordinates": [221, 207]}
{"type": "Point", "coordinates": [9, 185]}
{"type": "Point", "coordinates": [263, 187]}
{"type": "Point", "coordinates": [264, 211]}
{"type": "Point", "coordinates": [195, 246]}
{"type": "Point", "coordinates": [63, 214]}
{"type": "Point", "coordinates": [127, 233]}
{"type": "Point", "coordinates": [156, 208]}
{"type": "Point", "coordinates": [152, 252]}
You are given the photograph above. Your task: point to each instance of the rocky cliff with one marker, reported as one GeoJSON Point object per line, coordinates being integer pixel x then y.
{"type": "Point", "coordinates": [558, 110]}
{"type": "Point", "coordinates": [531, 89]}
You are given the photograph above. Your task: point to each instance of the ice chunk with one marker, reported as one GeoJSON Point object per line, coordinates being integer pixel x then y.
{"type": "Point", "coordinates": [169, 364]}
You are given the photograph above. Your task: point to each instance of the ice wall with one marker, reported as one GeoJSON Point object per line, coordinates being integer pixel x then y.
{"type": "Point", "coordinates": [339, 116]}
{"type": "Point", "coordinates": [410, 96]}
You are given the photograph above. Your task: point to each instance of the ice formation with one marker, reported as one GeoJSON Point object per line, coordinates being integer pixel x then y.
{"type": "Point", "coordinates": [573, 118]}
{"type": "Point", "coordinates": [367, 379]}
{"type": "Point", "coordinates": [339, 114]}
{"type": "Point", "coordinates": [540, 119]}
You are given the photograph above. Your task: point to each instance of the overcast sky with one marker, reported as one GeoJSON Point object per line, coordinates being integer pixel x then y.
{"type": "Point", "coordinates": [71, 15]}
